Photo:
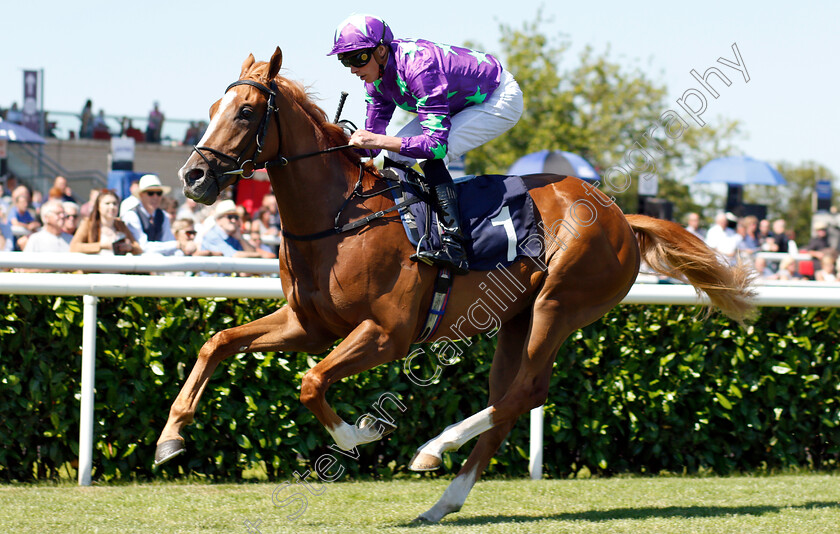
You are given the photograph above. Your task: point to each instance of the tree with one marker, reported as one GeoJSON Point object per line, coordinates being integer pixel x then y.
{"type": "Point", "coordinates": [600, 110]}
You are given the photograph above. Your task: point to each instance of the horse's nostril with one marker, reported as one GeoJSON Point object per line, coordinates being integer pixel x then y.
{"type": "Point", "coordinates": [193, 176]}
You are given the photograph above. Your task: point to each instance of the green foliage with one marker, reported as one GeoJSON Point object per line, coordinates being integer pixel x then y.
{"type": "Point", "coordinates": [595, 107]}
{"type": "Point", "coordinates": [643, 390]}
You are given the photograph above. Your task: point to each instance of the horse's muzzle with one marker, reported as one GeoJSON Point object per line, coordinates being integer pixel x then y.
{"type": "Point", "coordinates": [198, 185]}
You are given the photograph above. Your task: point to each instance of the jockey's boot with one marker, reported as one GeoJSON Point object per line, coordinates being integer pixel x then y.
{"type": "Point", "coordinates": [451, 254]}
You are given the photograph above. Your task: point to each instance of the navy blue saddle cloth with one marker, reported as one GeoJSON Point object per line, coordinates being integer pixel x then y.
{"type": "Point", "coordinates": [497, 218]}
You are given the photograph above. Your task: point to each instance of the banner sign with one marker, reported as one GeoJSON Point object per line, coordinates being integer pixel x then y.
{"type": "Point", "coordinates": [824, 189]}
{"type": "Point", "coordinates": [31, 118]}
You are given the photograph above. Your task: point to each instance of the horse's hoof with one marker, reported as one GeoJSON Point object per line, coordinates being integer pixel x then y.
{"type": "Point", "coordinates": [169, 449]}
{"type": "Point", "coordinates": [380, 426]}
{"type": "Point", "coordinates": [424, 462]}
{"type": "Point", "coordinates": [423, 520]}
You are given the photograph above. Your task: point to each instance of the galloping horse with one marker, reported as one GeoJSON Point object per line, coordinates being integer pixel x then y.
{"type": "Point", "coordinates": [360, 285]}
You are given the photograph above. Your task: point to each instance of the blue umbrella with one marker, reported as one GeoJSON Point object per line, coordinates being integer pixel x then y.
{"type": "Point", "coordinates": [556, 162]}
{"type": "Point", "coordinates": [739, 170]}
{"type": "Point", "coordinates": [15, 133]}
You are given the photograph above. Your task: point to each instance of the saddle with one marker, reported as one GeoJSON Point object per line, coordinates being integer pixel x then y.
{"type": "Point", "coordinates": [497, 217]}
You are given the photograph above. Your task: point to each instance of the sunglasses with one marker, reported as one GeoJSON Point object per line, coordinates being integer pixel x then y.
{"type": "Point", "coordinates": [232, 217]}
{"type": "Point", "coordinates": [356, 59]}
{"type": "Point", "coordinates": [154, 193]}
{"type": "Point", "coordinates": [190, 233]}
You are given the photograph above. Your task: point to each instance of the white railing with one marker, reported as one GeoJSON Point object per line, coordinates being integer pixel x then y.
{"type": "Point", "coordinates": [145, 263]}
{"type": "Point", "coordinates": [92, 286]}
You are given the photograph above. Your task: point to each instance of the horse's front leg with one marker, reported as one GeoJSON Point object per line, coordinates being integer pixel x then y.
{"type": "Point", "coordinates": [366, 347]}
{"type": "Point", "coordinates": [280, 331]}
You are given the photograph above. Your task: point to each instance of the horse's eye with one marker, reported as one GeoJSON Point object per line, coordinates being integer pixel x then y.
{"type": "Point", "coordinates": [246, 113]}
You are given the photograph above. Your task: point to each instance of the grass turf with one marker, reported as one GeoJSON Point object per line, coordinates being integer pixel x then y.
{"type": "Point", "coordinates": [805, 503]}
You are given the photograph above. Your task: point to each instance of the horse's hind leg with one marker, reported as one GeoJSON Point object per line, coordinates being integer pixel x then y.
{"type": "Point", "coordinates": [506, 361]}
{"type": "Point", "coordinates": [280, 331]}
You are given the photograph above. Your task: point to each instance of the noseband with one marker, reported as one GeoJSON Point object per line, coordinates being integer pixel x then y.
{"type": "Point", "coordinates": [246, 168]}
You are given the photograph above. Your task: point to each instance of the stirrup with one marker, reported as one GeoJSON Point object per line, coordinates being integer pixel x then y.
{"type": "Point", "coordinates": [444, 258]}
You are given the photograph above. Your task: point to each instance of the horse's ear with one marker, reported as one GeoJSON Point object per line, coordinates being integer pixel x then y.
{"type": "Point", "coordinates": [275, 63]}
{"type": "Point", "coordinates": [246, 65]}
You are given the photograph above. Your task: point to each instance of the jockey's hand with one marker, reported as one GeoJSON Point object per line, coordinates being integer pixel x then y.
{"type": "Point", "coordinates": [371, 141]}
{"type": "Point", "coordinates": [364, 139]}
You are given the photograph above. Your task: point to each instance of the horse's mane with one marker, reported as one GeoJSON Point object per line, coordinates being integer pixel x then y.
{"type": "Point", "coordinates": [296, 92]}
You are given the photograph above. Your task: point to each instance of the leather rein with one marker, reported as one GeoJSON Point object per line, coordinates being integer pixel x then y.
{"type": "Point", "coordinates": [247, 167]}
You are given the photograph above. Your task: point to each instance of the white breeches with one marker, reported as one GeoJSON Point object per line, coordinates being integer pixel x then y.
{"type": "Point", "coordinates": [475, 125]}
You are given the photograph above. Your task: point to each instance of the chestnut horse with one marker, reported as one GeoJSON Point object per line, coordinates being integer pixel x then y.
{"type": "Point", "coordinates": [361, 286]}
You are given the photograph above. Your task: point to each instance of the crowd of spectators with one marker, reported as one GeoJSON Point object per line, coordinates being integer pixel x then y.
{"type": "Point", "coordinates": [152, 222]}
{"type": "Point", "coordinates": [746, 239]}
{"type": "Point", "coordinates": [100, 126]}
{"type": "Point", "coordinates": [149, 222]}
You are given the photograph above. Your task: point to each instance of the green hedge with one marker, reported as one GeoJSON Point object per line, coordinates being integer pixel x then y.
{"type": "Point", "coordinates": [645, 389]}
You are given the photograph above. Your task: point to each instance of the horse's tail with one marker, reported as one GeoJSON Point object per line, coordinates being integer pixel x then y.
{"type": "Point", "coordinates": [671, 250]}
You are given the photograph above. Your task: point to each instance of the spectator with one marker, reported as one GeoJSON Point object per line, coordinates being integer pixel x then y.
{"type": "Point", "coordinates": [37, 200]}
{"type": "Point", "coordinates": [7, 239]}
{"type": "Point", "coordinates": [71, 217]}
{"type": "Point", "coordinates": [127, 129]}
{"type": "Point", "coordinates": [191, 137]}
{"type": "Point", "coordinates": [148, 223]}
{"type": "Point", "coordinates": [184, 230]}
{"type": "Point", "coordinates": [244, 219]}
{"type": "Point", "coordinates": [13, 114]}
{"type": "Point", "coordinates": [100, 126]}
{"type": "Point", "coordinates": [52, 237]}
{"type": "Point", "coordinates": [818, 244]}
{"type": "Point", "coordinates": [60, 182]}
{"type": "Point", "coordinates": [169, 206]}
{"type": "Point", "coordinates": [132, 200]}
{"type": "Point", "coordinates": [762, 269]}
{"type": "Point", "coordinates": [693, 225]}
{"type": "Point", "coordinates": [55, 194]}
{"type": "Point", "coordinates": [11, 185]}
{"type": "Point", "coordinates": [262, 223]}
{"type": "Point", "coordinates": [748, 230]}
{"type": "Point", "coordinates": [828, 267]}
{"type": "Point", "coordinates": [779, 237]}
{"type": "Point", "coordinates": [5, 198]}
{"type": "Point", "coordinates": [226, 235]}
{"type": "Point", "coordinates": [87, 207]}
{"type": "Point", "coordinates": [155, 125]}
{"type": "Point", "coordinates": [722, 238]}
{"type": "Point", "coordinates": [763, 233]}
{"type": "Point", "coordinates": [787, 269]}
{"type": "Point", "coordinates": [269, 203]}
{"type": "Point", "coordinates": [86, 129]}
{"type": "Point", "coordinates": [192, 210]}
{"type": "Point", "coordinates": [22, 216]}
{"type": "Point", "coordinates": [103, 232]}
{"type": "Point", "coordinates": [264, 250]}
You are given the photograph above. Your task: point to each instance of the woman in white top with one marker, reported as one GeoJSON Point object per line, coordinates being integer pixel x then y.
{"type": "Point", "coordinates": [828, 271]}
{"type": "Point", "coordinates": [102, 232]}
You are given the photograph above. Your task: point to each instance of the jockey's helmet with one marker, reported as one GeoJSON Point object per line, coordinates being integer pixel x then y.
{"type": "Point", "coordinates": [358, 32]}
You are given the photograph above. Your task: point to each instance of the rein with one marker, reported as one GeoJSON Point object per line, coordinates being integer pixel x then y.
{"type": "Point", "coordinates": [247, 167]}
{"type": "Point", "coordinates": [335, 230]}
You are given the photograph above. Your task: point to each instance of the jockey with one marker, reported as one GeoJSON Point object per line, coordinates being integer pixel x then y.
{"type": "Point", "coordinates": [462, 99]}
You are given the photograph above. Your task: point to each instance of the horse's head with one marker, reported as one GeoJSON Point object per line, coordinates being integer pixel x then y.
{"type": "Point", "coordinates": [240, 124]}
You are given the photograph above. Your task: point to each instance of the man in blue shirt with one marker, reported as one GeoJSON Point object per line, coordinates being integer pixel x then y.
{"type": "Point", "coordinates": [226, 235]}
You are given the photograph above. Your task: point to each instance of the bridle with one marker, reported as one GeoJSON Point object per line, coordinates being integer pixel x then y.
{"type": "Point", "coordinates": [246, 166]}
